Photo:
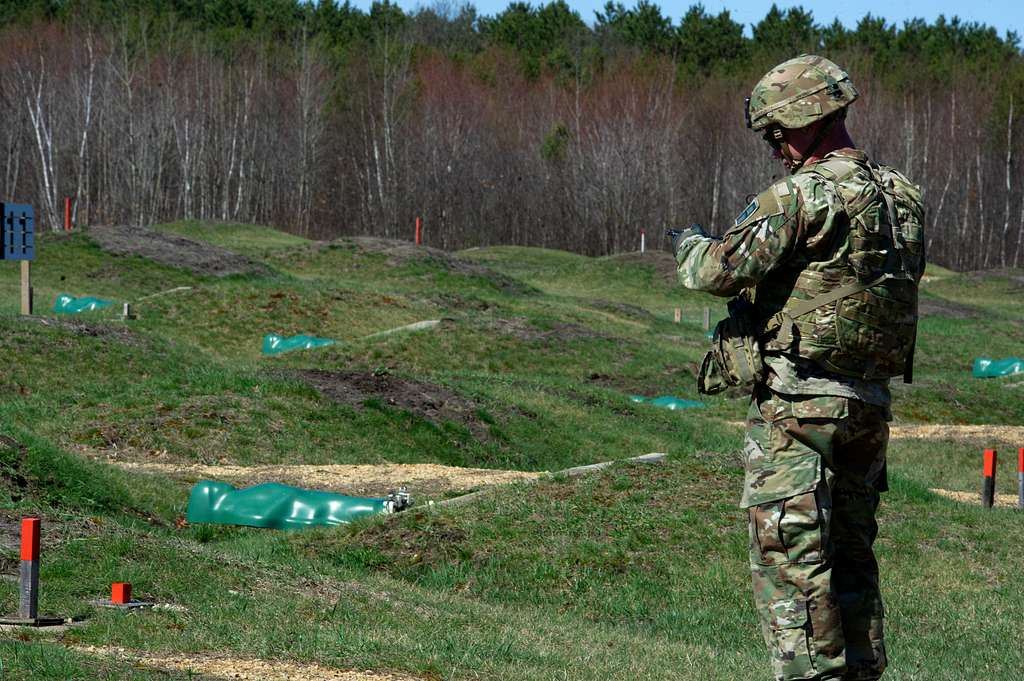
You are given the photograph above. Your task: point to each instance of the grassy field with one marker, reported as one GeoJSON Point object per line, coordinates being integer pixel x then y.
{"type": "Point", "coordinates": [637, 572]}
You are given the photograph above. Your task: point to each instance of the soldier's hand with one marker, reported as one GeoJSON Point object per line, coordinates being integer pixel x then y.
{"type": "Point", "coordinates": [678, 237]}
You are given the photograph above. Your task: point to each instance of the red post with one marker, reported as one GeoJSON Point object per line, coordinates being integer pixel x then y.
{"type": "Point", "coordinates": [67, 214]}
{"type": "Point", "coordinates": [988, 485]}
{"type": "Point", "coordinates": [28, 602]}
{"type": "Point", "coordinates": [121, 593]}
{"type": "Point", "coordinates": [419, 231]}
{"type": "Point", "coordinates": [1020, 479]}
{"type": "Point", "coordinates": [30, 539]}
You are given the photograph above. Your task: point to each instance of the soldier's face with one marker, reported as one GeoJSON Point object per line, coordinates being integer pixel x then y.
{"type": "Point", "coordinates": [794, 143]}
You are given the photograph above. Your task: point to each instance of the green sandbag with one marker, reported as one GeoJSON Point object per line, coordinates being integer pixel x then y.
{"type": "Point", "coordinates": [281, 507]}
{"type": "Point", "coordinates": [67, 304]}
{"type": "Point", "coordinates": [275, 345]}
{"type": "Point", "coordinates": [993, 368]}
{"type": "Point", "coordinates": [667, 402]}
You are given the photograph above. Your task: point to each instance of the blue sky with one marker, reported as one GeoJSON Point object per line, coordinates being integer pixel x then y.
{"type": "Point", "coordinates": [1004, 15]}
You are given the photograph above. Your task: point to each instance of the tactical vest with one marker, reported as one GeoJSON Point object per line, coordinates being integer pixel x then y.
{"type": "Point", "coordinates": [855, 312]}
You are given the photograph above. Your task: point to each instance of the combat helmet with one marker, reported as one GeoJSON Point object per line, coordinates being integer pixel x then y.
{"type": "Point", "coordinates": [799, 92]}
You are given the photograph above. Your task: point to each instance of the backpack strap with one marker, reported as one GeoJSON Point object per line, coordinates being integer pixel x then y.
{"type": "Point", "coordinates": [894, 221]}
{"type": "Point", "coordinates": [785, 320]}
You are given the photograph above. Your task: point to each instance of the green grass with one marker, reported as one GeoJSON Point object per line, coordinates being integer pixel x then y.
{"type": "Point", "coordinates": [638, 572]}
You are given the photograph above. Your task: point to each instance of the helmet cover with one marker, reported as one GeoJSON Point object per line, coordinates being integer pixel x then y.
{"type": "Point", "coordinates": [799, 92]}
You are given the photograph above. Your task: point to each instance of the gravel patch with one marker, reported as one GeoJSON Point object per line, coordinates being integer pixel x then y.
{"type": "Point", "coordinates": [974, 498]}
{"type": "Point", "coordinates": [422, 479]}
{"type": "Point", "coordinates": [934, 431]}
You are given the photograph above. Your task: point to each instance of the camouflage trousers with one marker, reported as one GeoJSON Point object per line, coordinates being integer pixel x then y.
{"type": "Point", "coordinates": [814, 470]}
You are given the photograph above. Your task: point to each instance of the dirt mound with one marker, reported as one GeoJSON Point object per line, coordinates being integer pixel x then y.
{"type": "Point", "coordinates": [662, 261]}
{"type": "Point", "coordinates": [223, 666]}
{"type": "Point", "coordinates": [1015, 276]}
{"type": "Point", "coordinates": [671, 379]}
{"type": "Point", "coordinates": [171, 249]}
{"type": "Point", "coordinates": [521, 329]}
{"type": "Point", "coordinates": [401, 252]}
{"type": "Point", "coordinates": [940, 307]}
{"type": "Point", "coordinates": [428, 400]}
{"type": "Point", "coordinates": [75, 327]}
{"type": "Point", "coordinates": [631, 312]}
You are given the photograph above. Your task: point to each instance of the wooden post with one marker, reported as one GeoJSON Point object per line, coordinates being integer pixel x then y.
{"type": "Point", "coordinates": [678, 315]}
{"type": "Point", "coordinates": [707, 318]}
{"type": "Point", "coordinates": [419, 231]}
{"type": "Point", "coordinates": [26, 287]}
{"type": "Point", "coordinates": [988, 484]}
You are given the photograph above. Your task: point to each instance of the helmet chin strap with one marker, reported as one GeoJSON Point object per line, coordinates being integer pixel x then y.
{"type": "Point", "coordinates": [819, 137]}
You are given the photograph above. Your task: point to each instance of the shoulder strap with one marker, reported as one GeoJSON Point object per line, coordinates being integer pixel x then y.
{"type": "Point", "coordinates": [888, 190]}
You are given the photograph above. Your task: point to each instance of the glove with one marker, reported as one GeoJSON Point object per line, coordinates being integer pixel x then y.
{"type": "Point", "coordinates": [678, 237]}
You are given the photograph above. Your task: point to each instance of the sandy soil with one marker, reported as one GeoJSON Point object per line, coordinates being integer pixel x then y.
{"type": "Point", "coordinates": [355, 479]}
{"type": "Point", "coordinates": [1002, 500]}
{"type": "Point", "coordinates": [224, 667]}
{"type": "Point", "coordinates": [933, 431]}
{"type": "Point", "coordinates": [939, 431]}
{"type": "Point", "coordinates": [174, 250]}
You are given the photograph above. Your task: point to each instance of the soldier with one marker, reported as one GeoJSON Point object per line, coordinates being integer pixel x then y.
{"type": "Point", "coordinates": [827, 262]}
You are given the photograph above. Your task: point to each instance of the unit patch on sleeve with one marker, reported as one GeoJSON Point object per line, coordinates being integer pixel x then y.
{"type": "Point", "coordinates": [747, 212]}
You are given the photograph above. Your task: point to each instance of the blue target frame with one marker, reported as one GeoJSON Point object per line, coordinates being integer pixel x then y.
{"type": "Point", "coordinates": [18, 239]}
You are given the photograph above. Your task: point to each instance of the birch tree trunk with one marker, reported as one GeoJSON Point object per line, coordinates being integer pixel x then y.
{"type": "Point", "coordinates": [1009, 165]}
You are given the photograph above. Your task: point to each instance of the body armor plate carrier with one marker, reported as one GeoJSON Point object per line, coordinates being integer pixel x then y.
{"type": "Point", "coordinates": [857, 317]}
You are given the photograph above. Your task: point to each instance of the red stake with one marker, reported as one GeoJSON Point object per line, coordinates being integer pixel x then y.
{"type": "Point", "coordinates": [67, 214]}
{"type": "Point", "coordinates": [28, 597]}
{"type": "Point", "coordinates": [419, 231]}
{"type": "Point", "coordinates": [1020, 479]}
{"type": "Point", "coordinates": [121, 593]}
{"type": "Point", "coordinates": [988, 485]}
{"type": "Point", "coordinates": [30, 539]}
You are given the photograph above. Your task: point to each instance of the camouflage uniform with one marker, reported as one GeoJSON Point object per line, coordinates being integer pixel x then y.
{"type": "Point", "coordinates": [814, 453]}
{"type": "Point", "coordinates": [815, 447]}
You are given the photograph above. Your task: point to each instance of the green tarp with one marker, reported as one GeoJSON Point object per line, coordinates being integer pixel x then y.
{"type": "Point", "coordinates": [275, 345]}
{"type": "Point", "coordinates": [993, 368]}
{"type": "Point", "coordinates": [281, 507]}
{"type": "Point", "coordinates": [667, 402]}
{"type": "Point", "coordinates": [67, 304]}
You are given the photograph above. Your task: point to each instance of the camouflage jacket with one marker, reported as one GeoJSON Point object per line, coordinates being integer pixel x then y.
{"type": "Point", "coordinates": [793, 226]}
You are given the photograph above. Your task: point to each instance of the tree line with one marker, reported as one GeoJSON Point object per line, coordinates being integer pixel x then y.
{"type": "Point", "coordinates": [531, 126]}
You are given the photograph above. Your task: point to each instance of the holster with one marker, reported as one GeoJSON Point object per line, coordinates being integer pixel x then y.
{"type": "Point", "coordinates": [735, 357]}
